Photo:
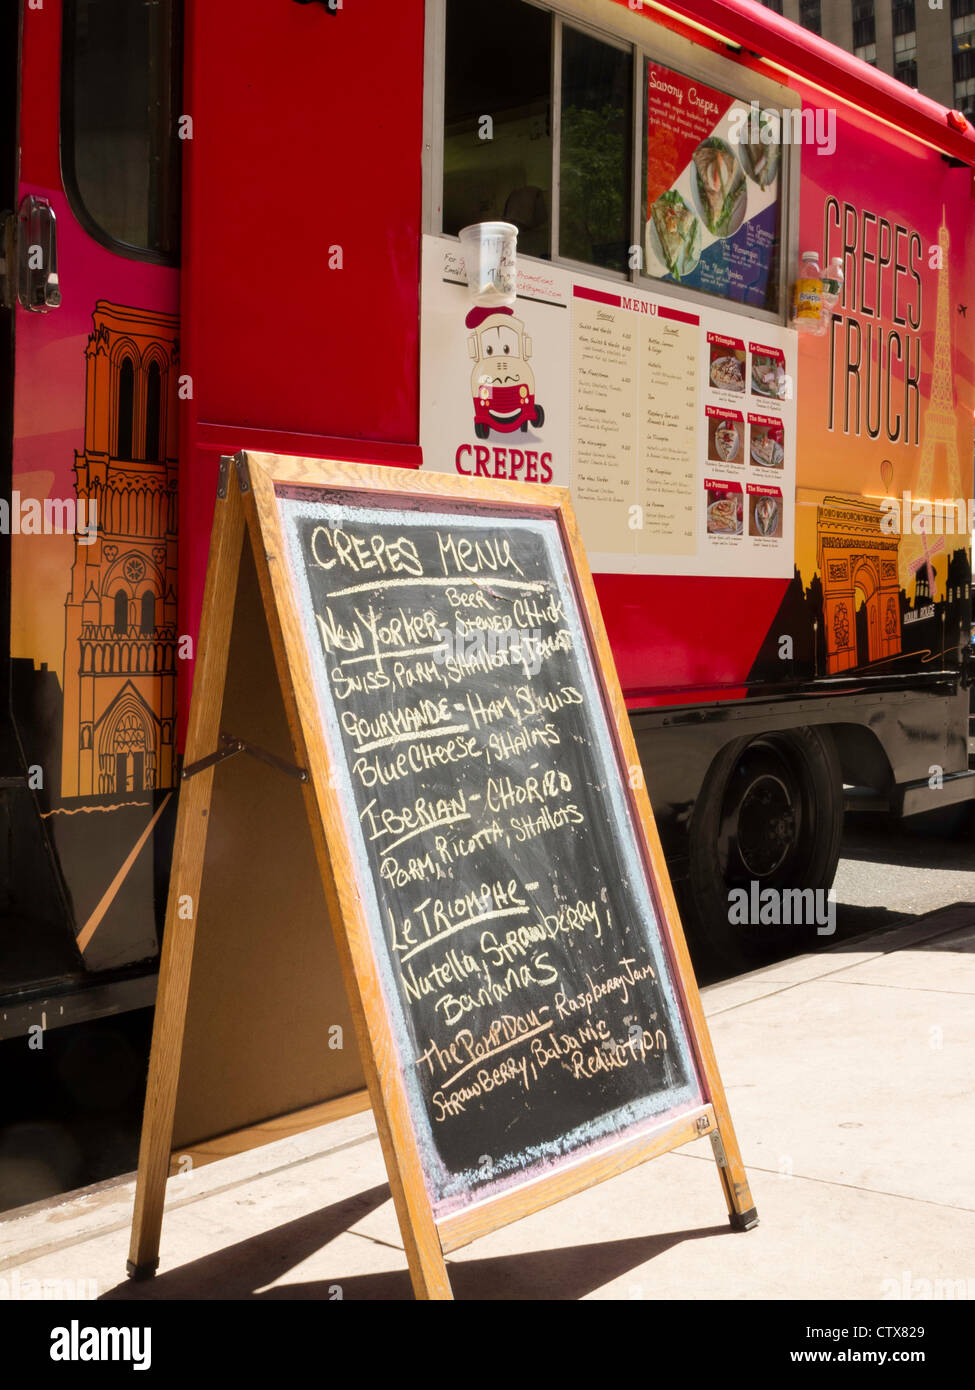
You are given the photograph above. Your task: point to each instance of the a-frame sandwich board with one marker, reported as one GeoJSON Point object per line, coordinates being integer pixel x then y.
{"type": "Point", "coordinates": [423, 550]}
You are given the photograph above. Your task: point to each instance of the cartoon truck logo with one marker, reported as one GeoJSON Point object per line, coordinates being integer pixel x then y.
{"type": "Point", "coordinates": [502, 383]}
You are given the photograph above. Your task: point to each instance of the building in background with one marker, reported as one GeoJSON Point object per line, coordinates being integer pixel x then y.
{"type": "Point", "coordinates": [932, 49]}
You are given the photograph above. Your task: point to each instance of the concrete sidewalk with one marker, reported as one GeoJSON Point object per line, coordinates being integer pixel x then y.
{"type": "Point", "coordinates": [850, 1077]}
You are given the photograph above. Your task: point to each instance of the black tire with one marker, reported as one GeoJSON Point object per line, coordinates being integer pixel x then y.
{"type": "Point", "coordinates": [539, 418]}
{"type": "Point", "coordinates": [770, 810]}
{"type": "Point", "coordinates": [481, 431]}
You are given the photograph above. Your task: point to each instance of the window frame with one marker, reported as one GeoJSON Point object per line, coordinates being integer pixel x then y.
{"type": "Point", "coordinates": [622, 46]}
{"type": "Point", "coordinates": [622, 30]}
{"type": "Point", "coordinates": [68, 142]}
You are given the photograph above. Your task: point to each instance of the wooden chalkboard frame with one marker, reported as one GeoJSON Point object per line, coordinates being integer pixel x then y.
{"type": "Point", "coordinates": [250, 505]}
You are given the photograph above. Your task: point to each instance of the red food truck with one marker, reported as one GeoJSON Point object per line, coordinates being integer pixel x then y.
{"type": "Point", "coordinates": [234, 224]}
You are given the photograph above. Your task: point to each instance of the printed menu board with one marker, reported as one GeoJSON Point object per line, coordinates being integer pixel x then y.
{"type": "Point", "coordinates": [644, 455]}
{"type": "Point", "coordinates": [712, 189]}
{"type": "Point", "coordinates": [672, 424]}
{"type": "Point", "coordinates": [687, 430]}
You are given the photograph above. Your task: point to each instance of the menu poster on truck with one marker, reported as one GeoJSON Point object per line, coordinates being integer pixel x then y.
{"type": "Point", "coordinates": [653, 412]}
{"type": "Point", "coordinates": [712, 182]}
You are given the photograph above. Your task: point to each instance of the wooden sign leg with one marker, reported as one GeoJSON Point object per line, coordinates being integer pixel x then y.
{"type": "Point", "coordinates": [421, 1241]}
{"type": "Point", "coordinates": [168, 1027]}
{"type": "Point", "coordinates": [742, 1212]}
{"type": "Point", "coordinates": [184, 888]}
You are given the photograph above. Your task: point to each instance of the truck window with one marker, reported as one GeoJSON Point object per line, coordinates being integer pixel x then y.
{"type": "Point", "coordinates": [499, 152]}
{"type": "Point", "coordinates": [119, 104]}
{"type": "Point", "coordinates": [498, 120]}
{"type": "Point", "coordinates": [595, 162]}
{"type": "Point", "coordinates": [603, 157]}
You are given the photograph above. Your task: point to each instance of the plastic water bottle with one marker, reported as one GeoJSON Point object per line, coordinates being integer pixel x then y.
{"type": "Point", "coordinates": [832, 286]}
{"type": "Point", "coordinates": [807, 295]}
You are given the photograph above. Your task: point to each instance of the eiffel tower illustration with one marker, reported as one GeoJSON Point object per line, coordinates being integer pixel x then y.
{"type": "Point", "coordinates": [939, 424]}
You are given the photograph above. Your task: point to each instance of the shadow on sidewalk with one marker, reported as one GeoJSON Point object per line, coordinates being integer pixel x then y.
{"type": "Point", "coordinates": [242, 1270]}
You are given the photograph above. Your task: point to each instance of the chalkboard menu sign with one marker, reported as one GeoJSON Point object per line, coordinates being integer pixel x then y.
{"type": "Point", "coordinates": [526, 1016]}
{"type": "Point", "coordinates": [533, 1005]}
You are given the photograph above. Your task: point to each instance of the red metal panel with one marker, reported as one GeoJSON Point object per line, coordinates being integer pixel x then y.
{"type": "Point", "coordinates": [307, 134]}
{"type": "Point", "coordinates": [694, 635]}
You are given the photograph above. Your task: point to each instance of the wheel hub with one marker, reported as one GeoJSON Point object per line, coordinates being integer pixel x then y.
{"type": "Point", "coordinates": [767, 825]}
{"type": "Point", "coordinates": [762, 816]}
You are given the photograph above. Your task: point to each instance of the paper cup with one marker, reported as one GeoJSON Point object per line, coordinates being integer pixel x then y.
{"type": "Point", "coordinates": [489, 257]}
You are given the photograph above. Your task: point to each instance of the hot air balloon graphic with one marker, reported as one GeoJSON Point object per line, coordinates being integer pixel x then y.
{"type": "Point", "coordinates": [887, 472]}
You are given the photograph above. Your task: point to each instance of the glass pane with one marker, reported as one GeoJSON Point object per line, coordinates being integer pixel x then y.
{"type": "Point", "coordinates": [497, 120]}
{"type": "Point", "coordinates": [120, 143]}
{"type": "Point", "coordinates": [712, 189]}
{"type": "Point", "coordinates": [595, 159]}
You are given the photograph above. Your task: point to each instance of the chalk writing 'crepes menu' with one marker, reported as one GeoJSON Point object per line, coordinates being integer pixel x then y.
{"type": "Point", "coordinates": [510, 915]}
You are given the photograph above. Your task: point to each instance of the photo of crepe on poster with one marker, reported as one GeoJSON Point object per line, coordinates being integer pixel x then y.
{"type": "Point", "coordinates": [726, 366]}
{"type": "Point", "coordinates": [769, 376]}
{"type": "Point", "coordinates": [726, 435]}
{"type": "Point", "coordinates": [766, 441]}
{"type": "Point", "coordinates": [725, 507]}
{"type": "Point", "coordinates": [713, 166]}
{"type": "Point", "coordinates": [764, 512]}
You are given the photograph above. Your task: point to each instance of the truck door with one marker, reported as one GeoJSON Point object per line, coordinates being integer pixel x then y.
{"type": "Point", "coordinates": [90, 366]}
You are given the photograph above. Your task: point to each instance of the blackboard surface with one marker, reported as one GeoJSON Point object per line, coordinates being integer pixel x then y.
{"type": "Point", "coordinates": [531, 999]}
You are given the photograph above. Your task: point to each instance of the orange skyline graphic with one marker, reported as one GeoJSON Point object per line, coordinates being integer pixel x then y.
{"type": "Point", "coordinates": [929, 467]}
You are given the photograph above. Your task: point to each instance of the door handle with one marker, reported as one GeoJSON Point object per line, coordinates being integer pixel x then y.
{"type": "Point", "coordinates": [36, 255]}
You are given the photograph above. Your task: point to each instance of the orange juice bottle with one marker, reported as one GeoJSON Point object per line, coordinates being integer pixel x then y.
{"type": "Point", "coordinates": [807, 295]}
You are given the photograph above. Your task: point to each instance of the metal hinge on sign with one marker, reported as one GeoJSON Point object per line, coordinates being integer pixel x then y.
{"type": "Point", "coordinates": [720, 1157]}
{"type": "Point", "coordinates": [243, 477]}
{"type": "Point", "coordinates": [223, 477]}
{"type": "Point", "coordinates": [229, 745]}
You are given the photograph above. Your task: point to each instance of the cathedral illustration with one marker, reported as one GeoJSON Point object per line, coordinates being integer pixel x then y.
{"type": "Point", "coordinates": [120, 614]}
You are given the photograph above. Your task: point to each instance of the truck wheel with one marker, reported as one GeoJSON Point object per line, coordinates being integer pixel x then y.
{"type": "Point", "coordinates": [770, 812]}
{"type": "Point", "coordinates": [539, 419]}
{"type": "Point", "coordinates": [481, 431]}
